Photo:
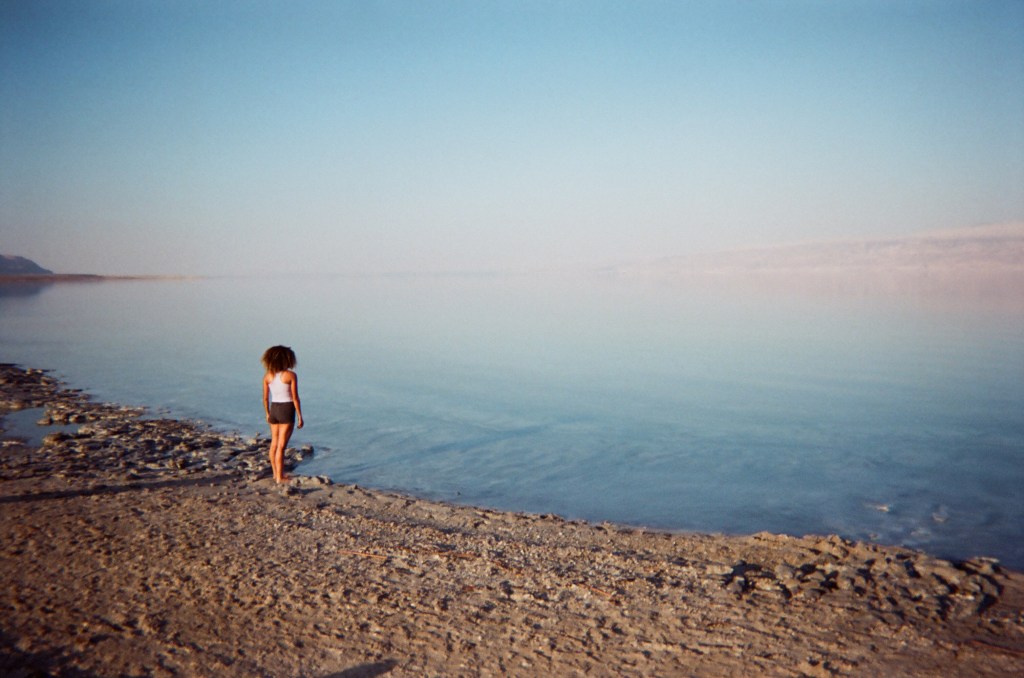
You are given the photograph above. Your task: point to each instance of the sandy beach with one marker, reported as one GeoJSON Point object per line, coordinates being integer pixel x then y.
{"type": "Point", "coordinates": [137, 546]}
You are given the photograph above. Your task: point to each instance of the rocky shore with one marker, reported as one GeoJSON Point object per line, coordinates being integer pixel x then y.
{"type": "Point", "coordinates": [137, 546]}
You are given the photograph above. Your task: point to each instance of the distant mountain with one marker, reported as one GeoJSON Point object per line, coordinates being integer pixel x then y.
{"type": "Point", "coordinates": [981, 249]}
{"type": "Point", "coordinates": [12, 265]}
{"type": "Point", "coordinates": [969, 267]}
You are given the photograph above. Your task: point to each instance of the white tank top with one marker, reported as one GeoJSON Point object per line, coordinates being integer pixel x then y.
{"type": "Point", "coordinates": [280, 392]}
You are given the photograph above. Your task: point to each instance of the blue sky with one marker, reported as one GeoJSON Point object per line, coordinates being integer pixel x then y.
{"type": "Point", "coordinates": [243, 137]}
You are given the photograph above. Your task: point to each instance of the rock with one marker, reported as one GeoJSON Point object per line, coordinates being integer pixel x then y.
{"type": "Point", "coordinates": [942, 571]}
{"type": "Point", "coordinates": [983, 566]}
{"type": "Point", "coordinates": [737, 585]}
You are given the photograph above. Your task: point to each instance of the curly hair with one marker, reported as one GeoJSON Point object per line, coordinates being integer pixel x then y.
{"type": "Point", "coordinates": [278, 359]}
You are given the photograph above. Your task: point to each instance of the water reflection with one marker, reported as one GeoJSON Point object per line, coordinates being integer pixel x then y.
{"type": "Point", "coordinates": [25, 425]}
{"type": "Point", "coordinates": [21, 288]}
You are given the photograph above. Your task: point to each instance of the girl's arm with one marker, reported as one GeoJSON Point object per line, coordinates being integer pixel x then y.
{"type": "Point", "coordinates": [295, 399]}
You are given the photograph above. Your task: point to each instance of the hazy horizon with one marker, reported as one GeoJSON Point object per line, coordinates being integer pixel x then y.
{"type": "Point", "coordinates": [202, 138]}
{"type": "Point", "coordinates": [997, 248]}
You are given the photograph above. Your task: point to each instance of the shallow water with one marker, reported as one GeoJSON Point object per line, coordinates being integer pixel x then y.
{"type": "Point", "coordinates": [688, 407]}
{"type": "Point", "coordinates": [25, 425]}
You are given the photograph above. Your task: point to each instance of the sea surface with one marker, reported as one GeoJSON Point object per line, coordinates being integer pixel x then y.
{"type": "Point", "coordinates": [698, 406]}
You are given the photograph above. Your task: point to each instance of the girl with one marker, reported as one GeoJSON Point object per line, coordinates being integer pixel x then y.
{"type": "Point", "coordinates": [281, 403]}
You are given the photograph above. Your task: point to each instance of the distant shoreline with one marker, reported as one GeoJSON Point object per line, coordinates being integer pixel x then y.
{"type": "Point", "coordinates": [21, 278]}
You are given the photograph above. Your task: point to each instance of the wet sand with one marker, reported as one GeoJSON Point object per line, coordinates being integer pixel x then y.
{"type": "Point", "coordinates": [140, 546]}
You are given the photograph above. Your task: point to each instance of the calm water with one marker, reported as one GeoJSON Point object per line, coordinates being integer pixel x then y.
{"type": "Point", "coordinates": [898, 419]}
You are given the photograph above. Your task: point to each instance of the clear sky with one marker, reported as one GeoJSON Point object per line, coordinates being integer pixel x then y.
{"type": "Point", "coordinates": [208, 137]}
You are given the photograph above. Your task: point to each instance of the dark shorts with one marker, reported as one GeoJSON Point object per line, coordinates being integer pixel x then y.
{"type": "Point", "coordinates": [282, 413]}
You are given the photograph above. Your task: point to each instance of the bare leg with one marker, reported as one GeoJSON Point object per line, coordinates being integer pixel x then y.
{"type": "Point", "coordinates": [282, 440]}
{"type": "Point", "coordinates": [273, 447]}
{"type": "Point", "coordinates": [280, 434]}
